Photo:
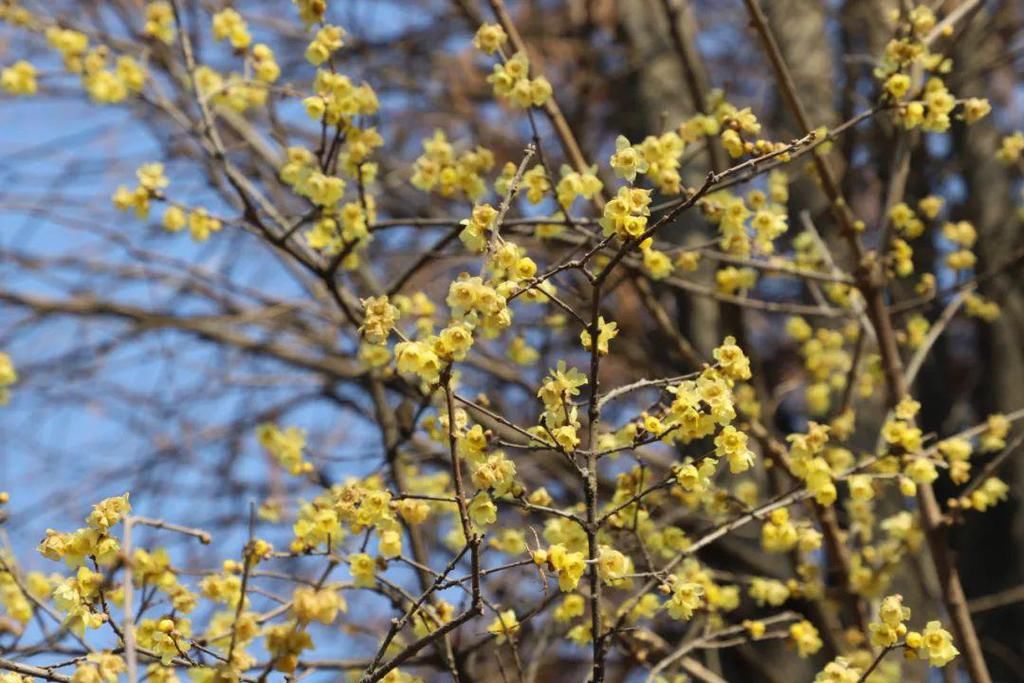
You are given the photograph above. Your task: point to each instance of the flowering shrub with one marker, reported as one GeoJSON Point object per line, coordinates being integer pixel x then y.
{"type": "Point", "coordinates": [539, 490]}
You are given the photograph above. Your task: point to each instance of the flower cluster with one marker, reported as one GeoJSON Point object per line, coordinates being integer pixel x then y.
{"type": "Point", "coordinates": [568, 566]}
{"type": "Point", "coordinates": [311, 604]}
{"type": "Point", "coordinates": [152, 181]}
{"type": "Point", "coordinates": [560, 419]}
{"type": "Point", "coordinates": [19, 78]}
{"type": "Point", "coordinates": [160, 21]}
{"type": "Point", "coordinates": [381, 316]}
{"type": "Point", "coordinates": [574, 184]}
{"type": "Point", "coordinates": [439, 170]}
{"type": "Point", "coordinates": [105, 82]}
{"type": "Point", "coordinates": [337, 99]}
{"type": "Point", "coordinates": [512, 83]}
{"type": "Point", "coordinates": [328, 40]}
{"type": "Point", "coordinates": [229, 25]}
{"type": "Point", "coordinates": [285, 446]}
{"type": "Point", "coordinates": [625, 215]}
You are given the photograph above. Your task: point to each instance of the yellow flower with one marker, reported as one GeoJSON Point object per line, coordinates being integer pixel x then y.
{"type": "Point", "coordinates": [686, 597]}
{"type": "Point", "coordinates": [363, 569]}
{"type": "Point", "coordinates": [327, 40]}
{"type": "Point", "coordinates": [536, 183]}
{"type": "Point", "coordinates": [285, 446]}
{"type": "Point", "coordinates": [572, 606]}
{"type": "Point", "coordinates": [478, 226]}
{"type": "Point", "coordinates": [285, 642]}
{"type": "Point", "coordinates": [732, 444]}
{"type": "Point", "coordinates": [454, 341]}
{"type": "Point", "coordinates": [606, 331]}
{"type": "Point", "coordinates": [540, 496]}
{"type": "Point", "coordinates": [482, 510]}
{"type": "Point", "coordinates": [71, 45]}
{"type": "Point", "coordinates": [580, 634]}
{"type": "Point", "coordinates": [415, 357]}
{"type": "Point", "coordinates": [992, 491]}
{"type": "Point", "coordinates": [413, 511]}
{"type": "Point", "coordinates": [688, 260]}
{"type": "Point", "coordinates": [521, 353]}
{"type": "Point", "coordinates": [657, 263]}
{"type": "Point", "coordinates": [1011, 147]}
{"type": "Point", "coordinates": [264, 65]}
{"type": "Point", "coordinates": [733, 143]}
{"type": "Point", "coordinates": [907, 408]}
{"type": "Point", "coordinates": [627, 160]}
{"type": "Point", "coordinates": [897, 85]}
{"type": "Point", "coordinates": [201, 224]}
{"type": "Point", "coordinates": [98, 667]}
{"type": "Point", "coordinates": [921, 471]}
{"type": "Point", "coordinates": [19, 79]}
{"type": "Point", "coordinates": [174, 219]}
{"type": "Point", "coordinates": [566, 437]}
{"type": "Point", "coordinates": [509, 541]}
{"type": "Point", "coordinates": [504, 625]}
{"type": "Point", "coordinates": [166, 637]}
{"type": "Point", "coordinates": [779, 534]}
{"type": "Point", "coordinates": [756, 629]}
{"type": "Point", "coordinates": [574, 184]}
{"type": "Point", "coordinates": [798, 328]}
{"type": "Point", "coordinates": [490, 38]}
{"type": "Point", "coordinates": [938, 643]}
{"type": "Point", "coordinates": [229, 25]}
{"type": "Point", "coordinates": [8, 376]}
{"type": "Point", "coordinates": [997, 426]}
{"type": "Point", "coordinates": [861, 487]}
{"type": "Point", "coordinates": [806, 638]}
{"type": "Point", "coordinates": [390, 543]}
{"type": "Point", "coordinates": [975, 109]}
{"type": "Point", "coordinates": [160, 21]}
{"type": "Point", "coordinates": [496, 473]}
{"type": "Point", "coordinates": [323, 605]}
{"type": "Point", "coordinates": [613, 566]}
{"type": "Point", "coordinates": [109, 512]}
{"type": "Point", "coordinates": [912, 114]}
{"type": "Point", "coordinates": [311, 11]}
{"type": "Point", "coordinates": [732, 362]}
{"type": "Point", "coordinates": [381, 316]}
{"type": "Point", "coordinates": [569, 566]}
{"type": "Point", "coordinates": [930, 206]}
{"type": "Point", "coordinates": [730, 280]}
{"type": "Point", "coordinates": [626, 213]}
{"type": "Point", "coordinates": [890, 627]}
{"type": "Point", "coordinates": [768, 591]}
{"type": "Point", "coordinates": [323, 190]}
{"type": "Point", "coordinates": [511, 82]}
{"type": "Point", "coordinates": [838, 670]}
